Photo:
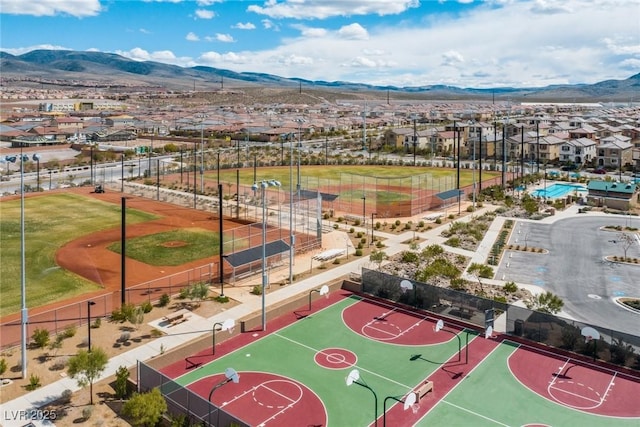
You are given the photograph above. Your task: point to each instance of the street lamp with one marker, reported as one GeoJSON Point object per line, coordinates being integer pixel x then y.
{"type": "Point", "coordinates": [299, 120]}
{"type": "Point", "coordinates": [36, 158]}
{"type": "Point", "coordinates": [89, 304]}
{"type": "Point", "coordinates": [263, 186]}
{"type": "Point", "coordinates": [372, 228]}
{"type": "Point", "coordinates": [353, 378]}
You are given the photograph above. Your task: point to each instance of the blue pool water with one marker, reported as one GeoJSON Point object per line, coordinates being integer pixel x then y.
{"type": "Point", "coordinates": [556, 190]}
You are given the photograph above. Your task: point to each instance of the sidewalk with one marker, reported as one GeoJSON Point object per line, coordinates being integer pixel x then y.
{"type": "Point", "coordinates": [198, 326]}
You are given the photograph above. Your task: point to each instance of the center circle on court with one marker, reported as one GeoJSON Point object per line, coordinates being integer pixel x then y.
{"type": "Point", "coordinates": [336, 358]}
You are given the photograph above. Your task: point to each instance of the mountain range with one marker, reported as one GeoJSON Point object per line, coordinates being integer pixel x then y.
{"type": "Point", "coordinates": [97, 69]}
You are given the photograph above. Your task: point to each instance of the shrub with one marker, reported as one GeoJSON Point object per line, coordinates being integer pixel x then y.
{"type": "Point", "coordinates": [335, 226]}
{"type": "Point", "coordinates": [336, 261]}
{"type": "Point", "coordinates": [34, 382]}
{"type": "Point", "coordinates": [359, 234]}
{"type": "Point", "coordinates": [40, 337]}
{"type": "Point", "coordinates": [397, 223]}
{"type": "Point", "coordinates": [65, 396]}
{"type": "Point", "coordinates": [3, 367]}
{"type": "Point", "coordinates": [510, 287]}
{"type": "Point", "coordinates": [164, 300]}
{"type": "Point", "coordinates": [257, 290]}
{"type": "Point", "coordinates": [97, 322]}
{"type": "Point", "coordinates": [222, 299]}
{"type": "Point", "coordinates": [438, 221]}
{"type": "Point", "coordinates": [356, 222]}
{"type": "Point", "coordinates": [363, 240]}
{"type": "Point", "coordinates": [69, 331]}
{"type": "Point", "coordinates": [454, 242]}
{"type": "Point", "coordinates": [156, 333]}
{"type": "Point", "coordinates": [86, 412]}
{"type": "Point", "coordinates": [358, 252]}
{"type": "Point", "coordinates": [184, 293]}
{"type": "Point", "coordinates": [60, 363]}
{"type": "Point", "coordinates": [146, 307]}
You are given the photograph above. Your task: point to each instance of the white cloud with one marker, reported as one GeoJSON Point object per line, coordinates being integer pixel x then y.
{"type": "Point", "coordinates": [310, 31]}
{"type": "Point", "coordinates": [205, 14]}
{"type": "Point", "coordinates": [244, 26]}
{"type": "Point", "coordinates": [550, 7]}
{"type": "Point", "coordinates": [205, 3]}
{"type": "Point", "coordinates": [226, 38]}
{"type": "Point", "coordinates": [164, 56]}
{"type": "Point", "coordinates": [77, 8]}
{"type": "Point", "coordinates": [21, 50]}
{"type": "Point", "coordinates": [498, 43]}
{"type": "Point", "coordinates": [354, 31]}
{"type": "Point", "coordinates": [321, 9]}
{"type": "Point", "coordinates": [144, 31]}
{"type": "Point", "coordinates": [452, 58]}
{"type": "Point", "coordinates": [192, 37]}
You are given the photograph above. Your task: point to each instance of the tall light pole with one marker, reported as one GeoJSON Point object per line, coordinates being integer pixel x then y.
{"type": "Point", "coordinates": [89, 304]}
{"type": "Point", "coordinates": [24, 315]}
{"type": "Point", "coordinates": [372, 227]}
{"type": "Point", "coordinates": [262, 185]}
{"type": "Point", "coordinates": [292, 237]}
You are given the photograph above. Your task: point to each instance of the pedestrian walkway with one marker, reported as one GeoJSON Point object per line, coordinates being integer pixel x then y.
{"type": "Point", "coordinates": [249, 304]}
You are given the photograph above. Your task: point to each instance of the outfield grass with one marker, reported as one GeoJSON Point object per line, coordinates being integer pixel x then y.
{"type": "Point", "coordinates": [333, 172]}
{"type": "Point", "coordinates": [175, 247]}
{"type": "Point", "coordinates": [50, 222]}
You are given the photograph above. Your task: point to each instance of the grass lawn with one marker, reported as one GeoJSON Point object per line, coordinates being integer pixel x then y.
{"type": "Point", "coordinates": [172, 248]}
{"type": "Point", "coordinates": [314, 173]}
{"type": "Point", "coordinates": [50, 222]}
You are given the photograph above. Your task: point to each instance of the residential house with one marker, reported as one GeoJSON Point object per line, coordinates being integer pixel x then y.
{"type": "Point", "coordinates": [614, 152]}
{"type": "Point", "coordinates": [580, 151]}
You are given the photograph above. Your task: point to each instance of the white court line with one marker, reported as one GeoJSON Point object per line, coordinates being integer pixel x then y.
{"type": "Point", "coordinates": [460, 382]}
{"type": "Point", "coordinates": [277, 393]}
{"type": "Point", "coordinates": [476, 414]}
{"type": "Point", "coordinates": [362, 369]}
{"type": "Point", "coordinates": [570, 393]}
{"type": "Point", "coordinates": [555, 377]}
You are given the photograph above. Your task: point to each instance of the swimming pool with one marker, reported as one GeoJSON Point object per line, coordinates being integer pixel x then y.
{"type": "Point", "coordinates": [556, 190]}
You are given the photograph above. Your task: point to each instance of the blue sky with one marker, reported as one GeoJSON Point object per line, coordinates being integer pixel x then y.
{"type": "Point", "coordinates": [465, 43]}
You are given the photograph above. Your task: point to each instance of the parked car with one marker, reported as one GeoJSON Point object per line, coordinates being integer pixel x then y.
{"type": "Point", "coordinates": [570, 167]}
{"type": "Point", "coordinates": [600, 171]}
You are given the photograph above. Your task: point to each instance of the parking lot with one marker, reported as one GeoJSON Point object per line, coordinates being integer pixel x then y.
{"type": "Point", "coordinates": [575, 268]}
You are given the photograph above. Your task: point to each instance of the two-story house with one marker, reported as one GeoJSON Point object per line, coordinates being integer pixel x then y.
{"type": "Point", "coordinates": [615, 152]}
{"type": "Point", "coordinates": [580, 151]}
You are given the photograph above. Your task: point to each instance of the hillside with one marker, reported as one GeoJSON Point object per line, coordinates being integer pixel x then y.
{"type": "Point", "coordinates": [96, 69]}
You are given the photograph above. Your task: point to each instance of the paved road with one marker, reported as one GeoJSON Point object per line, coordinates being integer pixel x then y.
{"type": "Point", "coordinates": [575, 269]}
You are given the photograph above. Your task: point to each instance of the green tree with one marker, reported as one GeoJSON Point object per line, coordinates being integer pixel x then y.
{"type": "Point", "coordinates": [86, 367]}
{"type": "Point", "coordinates": [145, 409]}
{"type": "Point", "coordinates": [480, 271]}
{"type": "Point", "coordinates": [3, 367]}
{"type": "Point", "coordinates": [122, 376]}
{"type": "Point", "coordinates": [440, 267]}
{"type": "Point", "coordinates": [378, 257]}
{"type": "Point", "coordinates": [546, 303]}
{"type": "Point", "coordinates": [198, 291]}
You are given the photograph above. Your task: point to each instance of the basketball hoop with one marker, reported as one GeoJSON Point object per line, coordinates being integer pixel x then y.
{"type": "Point", "coordinates": [415, 408]}
{"type": "Point", "coordinates": [587, 339]}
